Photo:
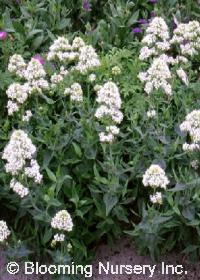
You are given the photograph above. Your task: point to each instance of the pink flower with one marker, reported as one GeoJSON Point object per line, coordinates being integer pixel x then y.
{"type": "Point", "coordinates": [39, 58]}
{"type": "Point", "coordinates": [3, 35]}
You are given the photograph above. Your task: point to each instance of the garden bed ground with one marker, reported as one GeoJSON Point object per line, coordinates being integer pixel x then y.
{"type": "Point", "coordinates": [124, 253]}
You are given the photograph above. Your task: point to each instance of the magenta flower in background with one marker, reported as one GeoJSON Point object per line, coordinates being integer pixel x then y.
{"type": "Point", "coordinates": [137, 30]}
{"type": "Point", "coordinates": [86, 5]}
{"type": "Point", "coordinates": [39, 58]}
{"type": "Point", "coordinates": [153, 1]}
{"type": "Point", "coordinates": [142, 21]}
{"type": "Point", "coordinates": [3, 35]}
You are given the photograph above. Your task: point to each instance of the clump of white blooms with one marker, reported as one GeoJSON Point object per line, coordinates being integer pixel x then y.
{"type": "Point", "coordinates": [19, 154]}
{"type": "Point", "coordinates": [34, 70]}
{"type": "Point", "coordinates": [195, 164]}
{"type": "Point", "coordinates": [187, 36]}
{"type": "Point", "coordinates": [19, 149]}
{"type": "Point", "coordinates": [92, 78]}
{"type": "Point", "coordinates": [4, 231]}
{"type": "Point", "coordinates": [17, 95]}
{"type": "Point", "coordinates": [59, 237]}
{"type": "Point", "coordinates": [191, 125]}
{"type": "Point", "coordinates": [108, 97]}
{"type": "Point", "coordinates": [157, 76]}
{"type": "Point", "coordinates": [87, 60]}
{"type": "Point", "coordinates": [183, 76]}
{"type": "Point", "coordinates": [34, 75]}
{"type": "Point", "coordinates": [155, 177]}
{"type": "Point", "coordinates": [62, 221]}
{"type": "Point", "coordinates": [151, 113]}
{"type": "Point", "coordinates": [26, 117]}
{"type": "Point", "coordinates": [84, 56]}
{"type": "Point", "coordinates": [17, 65]}
{"type": "Point", "coordinates": [61, 50]}
{"type": "Point", "coordinates": [33, 171]}
{"type": "Point", "coordinates": [75, 92]}
{"type": "Point", "coordinates": [156, 198]}
{"type": "Point", "coordinates": [18, 188]}
{"type": "Point", "coordinates": [156, 39]}
{"type": "Point", "coordinates": [58, 78]}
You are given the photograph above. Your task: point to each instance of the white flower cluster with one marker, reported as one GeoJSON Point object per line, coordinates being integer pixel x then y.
{"type": "Point", "coordinates": [155, 44]}
{"type": "Point", "coordinates": [62, 221]}
{"type": "Point", "coordinates": [156, 198]}
{"type": "Point", "coordinates": [195, 164]}
{"type": "Point", "coordinates": [18, 188]}
{"type": "Point", "coordinates": [88, 59]}
{"type": "Point", "coordinates": [58, 78]}
{"type": "Point", "coordinates": [26, 117]}
{"type": "Point", "coordinates": [187, 36]}
{"type": "Point", "coordinates": [108, 97]}
{"type": "Point", "coordinates": [59, 237]}
{"type": "Point", "coordinates": [33, 171]}
{"type": "Point", "coordinates": [17, 65]}
{"type": "Point", "coordinates": [19, 149]}
{"type": "Point", "coordinates": [151, 113]}
{"type": "Point", "coordinates": [84, 56]}
{"type": "Point", "coordinates": [156, 39]}
{"type": "Point", "coordinates": [191, 125]}
{"type": "Point", "coordinates": [18, 153]}
{"type": "Point", "coordinates": [33, 73]}
{"type": "Point", "coordinates": [4, 231]}
{"type": "Point", "coordinates": [157, 76]}
{"type": "Point", "coordinates": [17, 95]}
{"type": "Point", "coordinates": [75, 92]}
{"type": "Point", "coordinates": [155, 177]}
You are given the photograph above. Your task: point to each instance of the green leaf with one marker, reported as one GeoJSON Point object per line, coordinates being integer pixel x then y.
{"type": "Point", "coordinates": [133, 19]}
{"type": "Point", "coordinates": [77, 150]}
{"type": "Point", "coordinates": [37, 42]}
{"type": "Point", "coordinates": [51, 175]}
{"type": "Point", "coordinates": [110, 201]}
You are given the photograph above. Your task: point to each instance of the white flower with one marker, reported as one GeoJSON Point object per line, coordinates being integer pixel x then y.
{"type": "Point", "coordinates": [34, 171]}
{"type": "Point", "coordinates": [109, 95]}
{"type": "Point", "coordinates": [18, 188]}
{"type": "Point", "coordinates": [76, 93]}
{"type": "Point", "coordinates": [77, 43]}
{"type": "Point", "coordinates": [59, 237]}
{"type": "Point", "coordinates": [17, 65]}
{"type": "Point", "coordinates": [106, 138]}
{"type": "Point", "coordinates": [87, 60]}
{"type": "Point", "coordinates": [157, 76]}
{"type": "Point", "coordinates": [61, 50]}
{"type": "Point", "coordinates": [62, 221]}
{"type": "Point", "coordinates": [26, 117]}
{"type": "Point", "coordinates": [12, 107]}
{"type": "Point", "coordinates": [195, 164]}
{"type": "Point", "coordinates": [112, 129]}
{"type": "Point", "coordinates": [92, 78]}
{"type": "Point", "coordinates": [191, 125]}
{"type": "Point", "coordinates": [19, 149]}
{"type": "Point", "coordinates": [156, 39]}
{"type": "Point", "coordinates": [17, 92]}
{"type": "Point", "coordinates": [156, 198]}
{"type": "Point", "coordinates": [155, 177]}
{"type": "Point", "coordinates": [183, 76]}
{"type": "Point", "coordinates": [4, 231]}
{"type": "Point", "coordinates": [151, 113]}
{"type": "Point", "coordinates": [187, 36]}
{"type": "Point", "coordinates": [34, 70]}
